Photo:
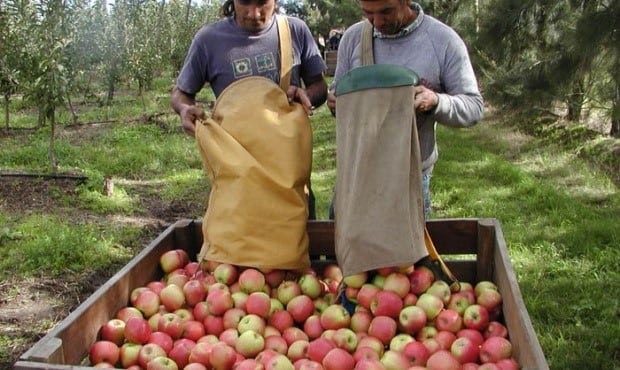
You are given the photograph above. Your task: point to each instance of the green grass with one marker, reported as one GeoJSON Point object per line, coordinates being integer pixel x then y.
{"type": "Point", "coordinates": [558, 214]}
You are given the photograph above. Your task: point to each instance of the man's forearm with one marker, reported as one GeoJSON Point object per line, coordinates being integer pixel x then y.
{"type": "Point", "coordinates": [181, 99]}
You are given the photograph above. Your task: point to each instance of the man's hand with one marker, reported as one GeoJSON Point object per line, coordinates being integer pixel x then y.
{"type": "Point", "coordinates": [425, 99]}
{"type": "Point", "coordinates": [300, 95]}
{"type": "Point", "coordinates": [331, 102]}
{"type": "Point", "coordinates": [189, 114]}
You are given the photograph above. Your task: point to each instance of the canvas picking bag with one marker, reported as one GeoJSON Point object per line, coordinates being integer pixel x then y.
{"type": "Point", "coordinates": [257, 152]}
{"type": "Point", "coordinates": [379, 210]}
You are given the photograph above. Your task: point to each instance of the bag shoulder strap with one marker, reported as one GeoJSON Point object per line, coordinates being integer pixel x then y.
{"type": "Point", "coordinates": [367, 39]}
{"type": "Point", "coordinates": [286, 52]}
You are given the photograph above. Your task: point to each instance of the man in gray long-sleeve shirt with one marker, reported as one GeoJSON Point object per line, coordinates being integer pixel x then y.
{"type": "Point", "coordinates": [403, 35]}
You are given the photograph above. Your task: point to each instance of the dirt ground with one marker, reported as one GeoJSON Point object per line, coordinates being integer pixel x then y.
{"type": "Point", "coordinates": [29, 308]}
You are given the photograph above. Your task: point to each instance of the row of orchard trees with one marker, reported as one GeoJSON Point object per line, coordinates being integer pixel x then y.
{"type": "Point", "coordinates": [537, 54]}
{"type": "Point", "coordinates": [53, 50]}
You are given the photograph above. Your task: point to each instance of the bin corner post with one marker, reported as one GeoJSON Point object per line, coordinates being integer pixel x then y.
{"type": "Point", "coordinates": [49, 351]}
{"type": "Point", "coordinates": [486, 249]}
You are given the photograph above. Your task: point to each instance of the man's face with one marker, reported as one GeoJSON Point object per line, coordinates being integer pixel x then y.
{"type": "Point", "coordinates": [254, 15]}
{"type": "Point", "coordinates": [387, 16]}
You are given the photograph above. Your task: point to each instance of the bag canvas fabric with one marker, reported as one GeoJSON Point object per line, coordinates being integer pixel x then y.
{"type": "Point", "coordinates": [379, 205]}
{"type": "Point", "coordinates": [257, 153]}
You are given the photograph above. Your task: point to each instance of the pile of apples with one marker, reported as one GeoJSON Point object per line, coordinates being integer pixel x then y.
{"type": "Point", "coordinates": [220, 316]}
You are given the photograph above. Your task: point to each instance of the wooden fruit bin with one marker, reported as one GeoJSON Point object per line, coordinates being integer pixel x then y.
{"type": "Point", "coordinates": [473, 248]}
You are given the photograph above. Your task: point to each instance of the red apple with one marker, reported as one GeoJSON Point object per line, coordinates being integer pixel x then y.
{"type": "Point", "coordinates": [442, 360]}
{"type": "Point", "coordinates": [128, 354]}
{"type": "Point", "coordinates": [297, 350]}
{"type": "Point", "coordinates": [200, 353]}
{"type": "Point", "coordinates": [398, 283]}
{"type": "Point", "coordinates": [474, 335]}
{"type": "Point", "coordinates": [162, 363]}
{"type": "Point", "coordinates": [310, 286]}
{"type": "Point", "coordinates": [219, 301]}
{"type": "Point", "coordinates": [369, 364]}
{"type": "Point", "coordinates": [426, 332]}
{"type": "Point", "coordinates": [172, 297]}
{"type": "Point", "coordinates": [113, 331]}
{"type": "Point", "coordinates": [222, 356]}
{"type": "Point", "coordinates": [104, 351]}
{"type": "Point", "coordinates": [371, 342]}
{"type": "Point", "coordinates": [431, 305]}
{"type": "Point", "coordinates": [441, 289]}
{"type": "Point", "coordinates": [229, 336]}
{"type": "Point", "coordinates": [148, 352]}
{"type": "Point", "coordinates": [300, 308]}
{"type": "Point", "coordinates": [147, 302]}
{"type": "Point", "coordinates": [459, 301]}
{"type": "Point", "coordinates": [366, 294]}
{"type": "Point", "coordinates": [494, 349]}
{"type": "Point", "coordinates": [417, 353]}
{"type": "Point", "coordinates": [273, 278]}
{"type": "Point", "coordinates": [247, 364]}
{"type": "Point", "coordinates": [445, 339]}
{"type": "Point", "coordinates": [293, 334]}
{"type": "Point", "coordinates": [490, 299]}
{"type": "Point", "coordinates": [449, 320]}
{"type": "Point", "coordinates": [365, 353]}
{"type": "Point", "coordinates": [346, 339]}
{"type": "Point", "coordinates": [318, 348]}
{"type": "Point", "coordinates": [495, 329]}
{"type": "Point", "coordinates": [137, 330]}
{"type": "Point", "coordinates": [252, 322]}
{"type": "Point", "coordinates": [276, 343]}
{"type": "Point", "coordinates": [180, 352]}
{"type": "Point", "coordinates": [411, 319]}
{"type": "Point", "coordinates": [287, 290]}
{"type": "Point", "coordinates": [251, 280]}
{"type": "Point", "coordinates": [399, 341]}
{"type": "Point", "coordinates": [173, 259]}
{"type": "Point", "coordinates": [281, 320]}
{"type": "Point", "coordinates": [226, 273]}
{"type": "Point", "coordinates": [383, 328]}
{"type": "Point", "coordinates": [335, 316]}
{"type": "Point", "coordinates": [483, 285]}
{"type": "Point", "coordinates": [360, 321]}
{"type": "Point", "coordinates": [128, 312]}
{"type": "Point", "coordinates": [194, 292]}
{"type": "Point", "coordinates": [171, 324]}
{"type": "Point", "coordinates": [193, 330]}
{"type": "Point", "coordinates": [476, 317]}
{"type": "Point", "coordinates": [200, 311]}
{"type": "Point", "coordinates": [258, 303]}
{"type": "Point", "coordinates": [312, 326]}
{"type": "Point", "coordinates": [213, 325]}
{"type": "Point", "coordinates": [279, 362]}
{"type": "Point", "coordinates": [394, 360]}
{"type": "Point", "coordinates": [507, 364]}
{"type": "Point", "coordinates": [338, 359]}
{"type": "Point", "coordinates": [162, 339]}
{"type": "Point", "coordinates": [386, 303]}
{"type": "Point", "coordinates": [333, 272]}
{"type": "Point", "coordinates": [465, 350]}
{"type": "Point", "coordinates": [420, 280]}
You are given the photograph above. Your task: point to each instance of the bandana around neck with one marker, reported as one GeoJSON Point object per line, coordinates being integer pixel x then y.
{"type": "Point", "coordinates": [407, 30]}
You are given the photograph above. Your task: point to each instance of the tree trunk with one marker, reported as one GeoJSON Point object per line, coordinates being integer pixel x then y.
{"type": "Point", "coordinates": [52, 148]}
{"type": "Point", "coordinates": [615, 115]}
{"type": "Point", "coordinates": [7, 100]}
{"type": "Point", "coordinates": [74, 116]}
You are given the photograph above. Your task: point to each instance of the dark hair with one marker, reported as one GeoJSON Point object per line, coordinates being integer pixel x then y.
{"type": "Point", "coordinates": [228, 8]}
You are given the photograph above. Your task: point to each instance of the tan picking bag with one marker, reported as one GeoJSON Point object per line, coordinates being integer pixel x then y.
{"type": "Point", "coordinates": [379, 207]}
{"type": "Point", "coordinates": [257, 152]}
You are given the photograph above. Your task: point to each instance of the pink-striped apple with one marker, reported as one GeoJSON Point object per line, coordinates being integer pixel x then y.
{"type": "Point", "coordinates": [383, 327]}
{"type": "Point", "coordinates": [104, 351]}
{"type": "Point", "coordinates": [411, 319]}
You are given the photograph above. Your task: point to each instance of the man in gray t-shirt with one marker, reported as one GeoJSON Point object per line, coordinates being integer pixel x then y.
{"type": "Point", "coordinates": [246, 43]}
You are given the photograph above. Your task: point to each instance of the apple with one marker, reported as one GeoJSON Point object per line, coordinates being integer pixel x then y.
{"type": "Point", "coordinates": [218, 301]}
{"type": "Point", "coordinates": [393, 360]}
{"type": "Point", "coordinates": [442, 360]}
{"type": "Point", "coordinates": [195, 366]}
{"type": "Point", "coordinates": [239, 299]}
{"type": "Point", "coordinates": [449, 320]}
{"type": "Point", "coordinates": [232, 316]}
{"type": "Point", "coordinates": [383, 327]}
{"type": "Point", "coordinates": [411, 319]}
{"type": "Point", "coordinates": [490, 299]}
{"type": "Point", "coordinates": [194, 292]}
{"type": "Point", "coordinates": [445, 339]}
{"type": "Point", "coordinates": [335, 316]}
{"type": "Point", "coordinates": [494, 349]}
{"type": "Point", "coordinates": [366, 294]}
{"type": "Point", "coordinates": [184, 313]}
{"type": "Point", "coordinates": [200, 353]}
{"type": "Point", "coordinates": [128, 354]}
{"type": "Point", "coordinates": [162, 363]}
{"type": "Point", "coordinates": [193, 330]}
{"type": "Point", "coordinates": [249, 343]}
{"type": "Point", "coordinates": [306, 364]}
{"type": "Point", "coordinates": [251, 322]}
{"type": "Point", "coordinates": [420, 279]}
{"type": "Point", "coordinates": [312, 326]}
{"type": "Point", "coordinates": [293, 334]}
{"type": "Point", "coordinates": [281, 320]}
{"type": "Point", "coordinates": [171, 324]}
{"type": "Point", "coordinates": [147, 302]}
{"type": "Point", "coordinates": [398, 283]}
{"type": "Point", "coordinates": [371, 342]}
{"type": "Point", "coordinates": [310, 286]}
{"type": "Point", "coordinates": [247, 364]}
{"type": "Point", "coordinates": [148, 352]}
{"type": "Point", "coordinates": [128, 312]}
{"type": "Point", "coordinates": [426, 332]}
{"type": "Point", "coordinates": [474, 335]}
{"type": "Point", "coordinates": [213, 325]}
{"type": "Point", "coordinates": [251, 280]}
{"type": "Point", "coordinates": [276, 343]}
{"type": "Point", "coordinates": [338, 359]}
{"type": "Point", "coordinates": [410, 299]}
{"type": "Point", "coordinates": [465, 350]}
{"type": "Point", "coordinates": [226, 273]}
{"type": "Point", "coordinates": [507, 364]}
{"type": "Point", "coordinates": [369, 364]}
{"type": "Point", "coordinates": [333, 272]}
{"type": "Point", "coordinates": [441, 289]}
{"type": "Point", "coordinates": [279, 362]}
{"type": "Point", "coordinates": [318, 348]}
{"type": "Point", "coordinates": [137, 330]}
{"type": "Point", "coordinates": [360, 321]}
{"type": "Point", "coordinates": [266, 355]}
{"type": "Point", "coordinates": [417, 353]}
{"type": "Point", "coordinates": [287, 290]}
{"type": "Point", "coordinates": [476, 317]}
{"type": "Point", "coordinates": [378, 280]}
{"type": "Point", "coordinates": [271, 331]}
{"type": "Point", "coordinates": [177, 277]}
{"type": "Point", "coordinates": [430, 304]}
{"type": "Point", "coordinates": [386, 303]}
{"type": "Point", "coordinates": [459, 301]}
{"type": "Point", "coordinates": [200, 311]}
{"type": "Point", "coordinates": [297, 350]}
{"type": "Point", "coordinates": [104, 351]}
{"type": "Point", "coordinates": [495, 329]}
{"type": "Point", "coordinates": [229, 336]}
{"type": "Point", "coordinates": [162, 339]}
{"type": "Point", "coordinates": [300, 308]}
{"type": "Point", "coordinates": [173, 259]}
{"type": "Point", "coordinates": [172, 297]}
{"type": "Point", "coordinates": [274, 277]}
{"type": "Point", "coordinates": [488, 366]}
{"type": "Point", "coordinates": [258, 303]}
{"type": "Point", "coordinates": [365, 353]}
{"type": "Point", "coordinates": [276, 305]}
{"type": "Point", "coordinates": [346, 339]}
{"type": "Point", "coordinates": [356, 280]}
{"type": "Point", "coordinates": [180, 352]}
{"type": "Point", "coordinates": [484, 285]}
{"type": "Point", "coordinates": [113, 331]}
{"type": "Point", "coordinates": [432, 345]}
{"type": "Point", "coordinates": [351, 294]}
{"type": "Point", "coordinates": [399, 341]}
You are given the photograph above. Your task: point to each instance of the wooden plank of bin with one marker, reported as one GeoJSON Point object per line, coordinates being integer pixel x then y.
{"type": "Point", "coordinates": [526, 348]}
{"type": "Point", "coordinates": [67, 342]}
